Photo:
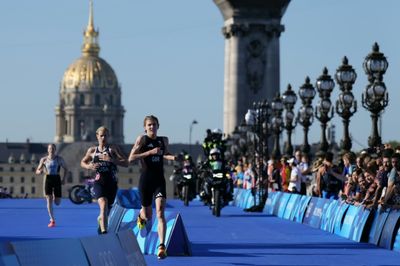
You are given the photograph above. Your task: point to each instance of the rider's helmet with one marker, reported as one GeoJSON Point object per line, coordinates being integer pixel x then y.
{"type": "Point", "coordinates": [215, 153]}
{"type": "Point", "coordinates": [217, 131]}
{"type": "Point", "coordinates": [188, 157]}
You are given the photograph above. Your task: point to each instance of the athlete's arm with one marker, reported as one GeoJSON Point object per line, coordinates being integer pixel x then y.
{"type": "Point", "coordinates": [167, 154]}
{"type": "Point", "coordinates": [39, 169]}
{"type": "Point", "coordinates": [135, 152]}
{"type": "Point", "coordinates": [86, 161]}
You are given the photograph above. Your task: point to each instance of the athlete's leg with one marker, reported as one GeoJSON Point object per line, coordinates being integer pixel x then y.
{"type": "Point", "coordinates": [146, 213]}
{"type": "Point", "coordinates": [49, 200]}
{"type": "Point", "coordinates": [103, 204]}
{"type": "Point", "coordinates": [160, 209]}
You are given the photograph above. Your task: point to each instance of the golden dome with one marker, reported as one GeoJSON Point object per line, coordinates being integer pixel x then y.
{"type": "Point", "coordinates": [89, 72]}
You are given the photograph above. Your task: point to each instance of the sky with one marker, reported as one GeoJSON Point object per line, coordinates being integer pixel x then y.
{"type": "Point", "coordinates": [169, 61]}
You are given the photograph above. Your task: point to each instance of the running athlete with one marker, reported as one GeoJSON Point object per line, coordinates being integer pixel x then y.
{"type": "Point", "coordinates": [51, 165]}
{"type": "Point", "coordinates": [104, 159]}
{"type": "Point", "coordinates": [151, 150]}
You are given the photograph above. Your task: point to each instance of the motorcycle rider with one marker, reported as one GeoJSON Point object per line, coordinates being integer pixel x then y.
{"type": "Point", "coordinates": [189, 168]}
{"type": "Point", "coordinates": [217, 165]}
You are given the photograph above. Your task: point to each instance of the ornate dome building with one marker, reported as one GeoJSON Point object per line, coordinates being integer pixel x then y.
{"type": "Point", "coordinates": [90, 95]}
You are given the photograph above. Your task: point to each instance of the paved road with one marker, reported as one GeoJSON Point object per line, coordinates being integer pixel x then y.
{"type": "Point", "coordinates": [235, 238]}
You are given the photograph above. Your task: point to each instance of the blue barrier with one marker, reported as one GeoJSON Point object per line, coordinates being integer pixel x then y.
{"type": "Point", "coordinates": [244, 199]}
{"type": "Point", "coordinates": [131, 248]}
{"type": "Point", "coordinates": [269, 207]}
{"type": "Point", "coordinates": [128, 198]}
{"type": "Point", "coordinates": [314, 211]}
{"type": "Point", "coordinates": [115, 217]}
{"type": "Point", "coordinates": [328, 216]}
{"type": "Point", "coordinates": [389, 230]}
{"type": "Point", "coordinates": [396, 244]}
{"type": "Point", "coordinates": [50, 252]}
{"type": "Point", "coordinates": [377, 226]}
{"type": "Point", "coordinates": [359, 222]}
{"type": "Point", "coordinates": [282, 204]}
{"type": "Point", "coordinates": [103, 250]}
{"type": "Point", "coordinates": [300, 209]}
{"type": "Point", "coordinates": [349, 217]}
{"type": "Point", "coordinates": [177, 242]}
{"type": "Point", "coordinates": [276, 203]}
{"type": "Point", "coordinates": [339, 217]}
{"type": "Point", "coordinates": [290, 206]}
{"type": "Point", "coordinates": [349, 221]}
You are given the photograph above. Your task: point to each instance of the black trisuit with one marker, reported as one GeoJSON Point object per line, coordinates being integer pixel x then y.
{"type": "Point", "coordinates": [152, 181]}
{"type": "Point", "coordinates": [105, 184]}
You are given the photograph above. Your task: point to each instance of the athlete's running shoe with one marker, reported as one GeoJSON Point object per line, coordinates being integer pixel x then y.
{"type": "Point", "coordinates": [52, 223]}
{"type": "Point", "coordinates": [162, 252]}
{"type": "Point", "coordinates": [141, 223]}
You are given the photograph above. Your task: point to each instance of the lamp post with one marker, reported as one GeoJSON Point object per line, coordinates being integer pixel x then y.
{"type": "Point", "coordinates": [194, 122]}
{"type": "Point", "coordinates": [375, 97]}
{"type": "Point", "coordinates": [346, 105]}
{"type": "Point", "coordinates": [289, 99]}
{"type": "Point", "coordinates": [324, 109]}
{"type": "Point", "coordinates": [258, 120]}
{"type": "Point", "coordinates": [305, 115]}
{"type": "Point", "coordinates": [277, 123]}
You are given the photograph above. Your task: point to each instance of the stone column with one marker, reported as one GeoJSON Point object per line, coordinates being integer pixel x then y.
{"type": "Point", "coordinates": [252, 29]}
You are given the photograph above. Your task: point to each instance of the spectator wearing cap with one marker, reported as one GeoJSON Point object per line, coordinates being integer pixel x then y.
{"type": "Point", "coordinates": [295, 177]}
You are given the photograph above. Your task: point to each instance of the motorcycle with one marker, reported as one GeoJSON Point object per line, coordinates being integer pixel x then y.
{"type": "Point", "coordinates": [78, 194]}
{"type": "Point", "coordinates": [186, 186]}
{"type": "Point", "coordinates": [214, 191]}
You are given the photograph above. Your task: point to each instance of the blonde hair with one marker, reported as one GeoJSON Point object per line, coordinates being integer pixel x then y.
{"type": "Point", "coordinates": [102, 129]}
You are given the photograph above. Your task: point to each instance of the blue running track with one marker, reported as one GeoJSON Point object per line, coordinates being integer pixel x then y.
{"type": "Point", "coordinates": [235, 238]}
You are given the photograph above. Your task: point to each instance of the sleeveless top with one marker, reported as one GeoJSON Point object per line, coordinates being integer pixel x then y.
{"type": "Point", "coordinates": [106, 168]}
{"type": "Point", "coordinates": [153, 163]}
{"type": "Point", "coordinates": [52, 165]}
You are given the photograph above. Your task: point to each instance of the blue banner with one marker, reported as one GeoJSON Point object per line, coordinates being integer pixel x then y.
{"type": "Point", "coordinates": [377, 226]}
{"type": "Point", "coordinates": [291, 205]}
{"type": "Point", "coordinates": [328, 216]}
{"type": "Point", "coordinates": [388, 232]}
{"type": "Point", "coordinates": [300, 209]}
{"type": "Point", "coordinates": [282, 204]}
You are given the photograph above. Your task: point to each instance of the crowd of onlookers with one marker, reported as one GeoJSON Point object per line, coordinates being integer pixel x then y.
{"type": "Point", "coordinates": [370, 177]}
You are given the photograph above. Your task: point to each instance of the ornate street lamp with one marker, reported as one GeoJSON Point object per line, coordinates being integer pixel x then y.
{"type": "Point", "coordinates": [324, 109]}
{"type": "Point", "coordinates": [305, 114]}
{"type": "Point", "coordinates": [258, 119]}
{"type": "Point", "coordinates": [346, 105]}
{"type": "Point", "coordinates": [289, 99]}
{"type": "Point", "coordinates": [375, 97]}
{"type": "Point", "coordinates": [277, 123]}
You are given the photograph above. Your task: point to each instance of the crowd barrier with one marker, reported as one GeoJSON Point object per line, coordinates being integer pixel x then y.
{"type": "Point", "coordinates": [357, 223]}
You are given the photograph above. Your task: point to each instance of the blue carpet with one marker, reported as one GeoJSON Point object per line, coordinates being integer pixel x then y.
{"type": "Point", "coordinates": [235, 238]}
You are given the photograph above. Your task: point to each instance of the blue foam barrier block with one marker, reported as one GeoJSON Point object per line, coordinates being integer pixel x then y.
{"type": "Point", "coordinates": [131, 248]}
{"type": "Point", "coordinates": [50, 252]}
{"type": "Point", "coordinates": [104, 250]}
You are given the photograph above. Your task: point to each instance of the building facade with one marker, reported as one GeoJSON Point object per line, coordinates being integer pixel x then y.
{"type": "Point", "coordinates": [90, 95]}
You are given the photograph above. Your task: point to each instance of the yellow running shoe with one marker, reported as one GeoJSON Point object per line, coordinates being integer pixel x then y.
{"type": "Point", "coordinates": [141, 223]}
{"type": "Point", "coordinates": [162, 252]}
